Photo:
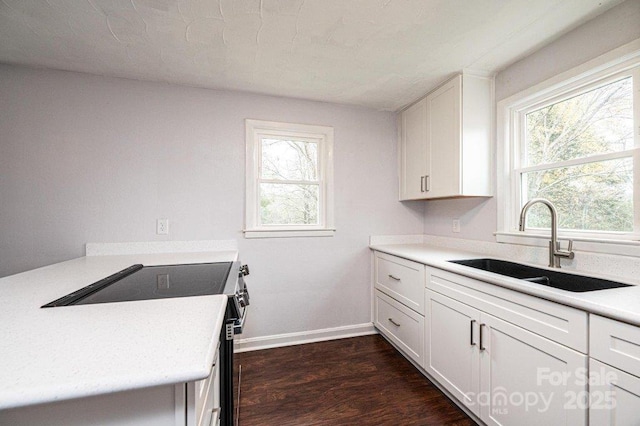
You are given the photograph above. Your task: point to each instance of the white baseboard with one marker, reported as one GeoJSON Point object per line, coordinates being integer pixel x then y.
{"type": "Point", "coordinates": [290, 339]}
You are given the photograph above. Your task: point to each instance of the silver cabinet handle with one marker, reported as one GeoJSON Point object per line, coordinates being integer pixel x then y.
{"type": "Point", "coordinates": [393, 277]}
{"type": "Point", "coordinates": [482, 348]}
{"type": "Point", "coordinates": [472, 343]}
{"type": "Point", "coordinates": [421, 183]}
{"type": "Point", "coordinates": [393, 322]}
{"type": "Point", "coordinates": [427, 181]}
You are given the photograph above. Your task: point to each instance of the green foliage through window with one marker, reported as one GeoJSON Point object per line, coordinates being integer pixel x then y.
{"type": "Point", "coordinates": [578, 152]}
{"type": "Point", "coordinates": [289, 184]}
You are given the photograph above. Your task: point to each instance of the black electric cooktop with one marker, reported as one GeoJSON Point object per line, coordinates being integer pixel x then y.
{"type": "Point", "coordinates": [139, 282]}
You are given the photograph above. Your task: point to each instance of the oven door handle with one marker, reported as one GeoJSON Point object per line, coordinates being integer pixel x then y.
{"type": "Point", "coordinates": [243, 298]}
{"type": "Point", "coordinates": [238, 326]}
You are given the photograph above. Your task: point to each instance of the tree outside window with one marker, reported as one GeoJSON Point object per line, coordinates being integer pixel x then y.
{"type": "Point", "coordinates": [289, 182]}
{"type": "Point", "coordinates": [578, 153]}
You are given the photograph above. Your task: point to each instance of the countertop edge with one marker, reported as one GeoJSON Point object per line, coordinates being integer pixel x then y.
{"type": "Point", "coordinates": [427, 256]}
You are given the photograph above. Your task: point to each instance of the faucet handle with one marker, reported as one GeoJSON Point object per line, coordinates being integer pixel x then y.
{"type": "Point", "coordinates": [568, 254]}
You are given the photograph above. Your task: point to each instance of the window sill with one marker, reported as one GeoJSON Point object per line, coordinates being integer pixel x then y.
{"type": "Point", "coordinates": [585, 244]}
{"type": "Point", "coordinates": [289, 233]}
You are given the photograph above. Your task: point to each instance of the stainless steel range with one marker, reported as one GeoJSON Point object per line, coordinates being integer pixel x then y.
{"type": "Point", "coordinates": [139, 282]}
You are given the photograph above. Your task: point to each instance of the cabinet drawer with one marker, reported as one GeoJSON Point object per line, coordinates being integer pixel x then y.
{"type": "Point", "coordinates": [401, 279]}
{"type": "Point", "coordinates": [615, 343]}
{"type": "Point", "coordinates": [401, 325]}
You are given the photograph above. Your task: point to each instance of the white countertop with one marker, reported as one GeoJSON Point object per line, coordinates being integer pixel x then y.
{"type": "Point", "coordinates": [618, 303]}
{"type": "Point", "coordinates": [69, 352]}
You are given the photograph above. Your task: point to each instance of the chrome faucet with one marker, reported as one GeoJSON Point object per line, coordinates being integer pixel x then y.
{"type": "Point", "coordinates": [554, 246]}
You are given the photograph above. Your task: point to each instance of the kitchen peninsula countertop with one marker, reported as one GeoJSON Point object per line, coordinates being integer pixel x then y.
{"type": "Point", "coordinates": [622, 304]}
{"type": "Point", "coordinates": [77, 351]}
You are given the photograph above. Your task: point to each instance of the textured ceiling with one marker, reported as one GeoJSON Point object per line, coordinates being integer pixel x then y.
{"type": "Point", "coordinates": [376, 53]}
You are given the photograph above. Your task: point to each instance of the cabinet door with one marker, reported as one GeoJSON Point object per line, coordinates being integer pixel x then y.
{"type": "Point", "coordinates": [526, 379]}
{"type": "Point", "coordinates": [413, 151]}
{"type": "Point", "coordinates": [451, 348]}
{"type": "Point", "coordinates": [444, 138]}
{"type": "Point", "coordinates": [614, 396]}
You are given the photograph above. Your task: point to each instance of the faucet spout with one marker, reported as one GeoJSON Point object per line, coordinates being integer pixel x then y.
{"type": "Point", "coordinates": [554, 247]}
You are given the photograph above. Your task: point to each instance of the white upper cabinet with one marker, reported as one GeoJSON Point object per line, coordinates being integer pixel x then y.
{"type": "Point", "coordinates": [445, 141]}
{"type": "Point", "coordinates": [413, 150]}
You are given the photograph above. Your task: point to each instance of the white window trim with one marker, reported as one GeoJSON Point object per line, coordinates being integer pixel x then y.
{"type": "Point", "coordinates": [611, 63]}
{"type": "Point", "coordinates": [255, 128]}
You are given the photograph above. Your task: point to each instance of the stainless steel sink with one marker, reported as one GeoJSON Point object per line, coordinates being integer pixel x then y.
{"type": "Point", "coordinates": [560, 280]}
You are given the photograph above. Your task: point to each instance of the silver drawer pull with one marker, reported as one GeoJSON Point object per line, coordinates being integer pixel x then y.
{"type": "Point", "coordinates": [393, 277]}
{"type": "Point", "coordinates": [482, 348]}
{"type": "Point", "coordinates": [393, 322]}
{"type": "Point", "coordinates": [472, 343]}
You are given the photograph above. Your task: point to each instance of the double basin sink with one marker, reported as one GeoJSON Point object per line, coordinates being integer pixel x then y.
{"type": "Point", "coordinates": [559, 280]}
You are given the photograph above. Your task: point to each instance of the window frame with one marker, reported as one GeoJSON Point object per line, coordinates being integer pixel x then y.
{"type": "Point", "coordinates": [519, 145]}
{"type": "Point", "coordinates": [511, 113]}
{"type": "Point", "coordinates": [323, 135]}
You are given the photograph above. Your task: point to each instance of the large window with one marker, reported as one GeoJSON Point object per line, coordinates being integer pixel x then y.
{"type": "Point", "coordinates": [575, 143]}
{"type": "Point", "coordinates": [289, 180]}
{"type": "Point", "coordinates": [577, 152]}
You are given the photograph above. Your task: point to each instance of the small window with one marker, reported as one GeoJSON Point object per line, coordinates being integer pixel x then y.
{"type": "Point", "coordinates": [289, 180]}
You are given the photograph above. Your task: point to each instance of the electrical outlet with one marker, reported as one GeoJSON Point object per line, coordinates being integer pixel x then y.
{"type": "Point", "coordinates": [456, 225]}
{"type": "Point", "coordinates": [162, 281]}
{"type": "Point", "coordinates": [162, 227]}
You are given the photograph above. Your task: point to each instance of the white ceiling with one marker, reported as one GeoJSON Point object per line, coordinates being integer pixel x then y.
{"type": "Point", "coordinates": [376, 53]}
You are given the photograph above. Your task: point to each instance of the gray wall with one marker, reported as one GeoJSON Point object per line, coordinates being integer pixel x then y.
{"type": "Point", "coordinates": [612, 29]}
{"type": "Point", "coordinates": [93, 159]}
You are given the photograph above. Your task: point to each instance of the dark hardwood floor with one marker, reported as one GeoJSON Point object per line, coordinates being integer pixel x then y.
{"type": "Point", "coordinates": [358, 381]}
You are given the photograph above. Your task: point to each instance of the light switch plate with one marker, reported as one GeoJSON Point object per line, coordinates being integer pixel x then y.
{"type": "Point", "coordinates": [162, 281]}
{"type": "Point", "coordinates": [456, 225]}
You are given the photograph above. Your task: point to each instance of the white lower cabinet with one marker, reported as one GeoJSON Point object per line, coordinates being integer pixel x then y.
{"type": "Point", "coordinates": [503, 373]}
{"type": "Point", "coordinates": [526, 379]}
{"type": "Point", "coordinates": [510, 358]}
{"type": "Point", "coordinates": [183, 404]}
{"type": "Point", "coordinates": [403, 326]}
{"type": "Point", "coordinates": [451, 354]}
{"type": "Point", "coordinates": [614, 396]}
{"type": "Point", "coordinates": [203, 399]}
{"type": "Point", "coordinates": [614, 369]}
{"type": "Point", "coordinates": [398, 303]}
